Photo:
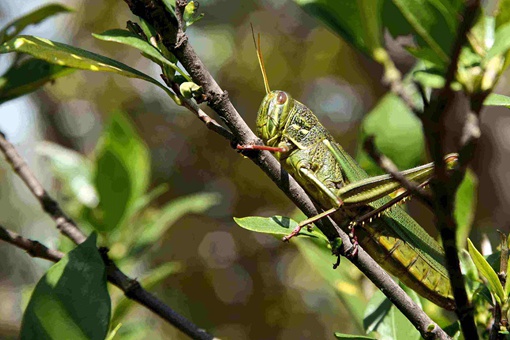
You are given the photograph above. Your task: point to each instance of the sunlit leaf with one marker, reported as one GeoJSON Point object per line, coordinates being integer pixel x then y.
{"type": "Point", "coordinates": [276, 225]}
{"type": "Point", "coordinates": [501, 41]}
{"type": "Point", "coordinates": [495, 99]}
{"type": "Point", "coordinates": [133, 40]}
{"type": "Point", "coordinates": [487, 272]}
{"type": "Point", "coordinates": [71, 301]}
{"type": "Point", "coordinates": [65, 55]}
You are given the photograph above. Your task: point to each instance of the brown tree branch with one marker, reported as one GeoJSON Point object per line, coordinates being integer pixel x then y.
{"type": "Point", "coordinates": [131, 288]}
{"type": "Point", "coordinates": [175, 40]}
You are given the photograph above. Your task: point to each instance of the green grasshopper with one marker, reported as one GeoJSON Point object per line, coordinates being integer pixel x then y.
{"type": "Point", "coordinates": [344, 191]}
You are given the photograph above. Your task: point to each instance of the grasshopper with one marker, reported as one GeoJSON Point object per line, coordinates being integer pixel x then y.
{"type": "Point", "coordinates": [344, 191]}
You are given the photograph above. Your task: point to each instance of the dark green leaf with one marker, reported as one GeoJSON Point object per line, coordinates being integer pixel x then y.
{"type": "Point", "coordinates": [28, 76]}
{"type": "Point", "coordinates": [123, 171]}
{"type": "Point", "coordinates": [276, 225]}
{"type": "Point", "coordinates": [357, 21]}
{"type": "Point", "coordinates": [15, 27]}
{"type": "Point", "coordinates": [453, 330]}
{"type": "Point", "coordinates": [65, 55]}
{"type": "Point", "coordinates": [487, 272]}
{"type": "Point", "coordinates": [432, 22]}
{"type": "Point", "coordinates": [465, 206]}
{"type": "Point", "coordinates": [71, 301]}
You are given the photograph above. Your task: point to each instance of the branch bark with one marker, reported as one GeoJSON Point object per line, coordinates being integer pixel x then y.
{"type": "Point", "coordinates": [176, 41]}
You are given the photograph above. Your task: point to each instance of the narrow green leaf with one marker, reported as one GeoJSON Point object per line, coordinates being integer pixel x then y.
{"type": "Point", "coordinates": [133, 40]}
{"type": "Point", "coordinates": [71, 301]}
{"type": "Point", "coordinates": [501, 42]}
{"type": "Point", "coordinates": [15, 27]}
{"type": "Point", "coordinates": [276, 225]}
{"type": "Point", "coordinates": [142, 202]}
{"type": "Point", "coordinates": [65, 55]}
{"type": "Point", "coordinates": [320, 259]}
{"type": "Point", "coordinates": [123, 171]}
{"type": "Point", "coordinates": [27, 76]}
{"type": "Point", "coordinates": [465, 204]}
{"type": "Point", "coordinates": [343, 336]}
{"type": "Point", "coordinates": [507, 282]}
{"type": "Point", "coordinates": [357, 21]}
{"type": "Point", "coordinates": [487, 272]}
{"type": "Point", "coordinates": [170, 213]}
{"type": "Point", "coordinates": [495, 99]}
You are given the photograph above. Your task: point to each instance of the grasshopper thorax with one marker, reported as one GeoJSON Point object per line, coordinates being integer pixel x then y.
{"type": "Point", "coordinates": [272, 116]}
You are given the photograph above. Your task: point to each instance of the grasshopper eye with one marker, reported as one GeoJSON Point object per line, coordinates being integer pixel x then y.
{"type": "Point", "coordinates": [281, 98]}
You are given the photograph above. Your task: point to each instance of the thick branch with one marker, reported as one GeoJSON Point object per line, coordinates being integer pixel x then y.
{"type": "Point", "coordinates": [177, 43]}
{"type": "Point", "coordinates": [443, 186]}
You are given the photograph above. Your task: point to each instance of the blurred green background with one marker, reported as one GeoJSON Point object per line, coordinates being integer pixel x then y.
{"type": "Point", "coordinates": [234, 283]}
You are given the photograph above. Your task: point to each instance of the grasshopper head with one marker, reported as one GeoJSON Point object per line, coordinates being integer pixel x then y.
{"type": "Point", "coordinates": [272, 116]}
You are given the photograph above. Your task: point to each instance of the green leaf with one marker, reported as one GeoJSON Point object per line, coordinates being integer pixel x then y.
{"type": "Point", "coordinates": [133, 40]}
{"type": "Point", "coordinates": [276, 225]}
{"type": "Point", "coordinates": [433, 22]}
{"type": "Point", "coordinates": [27, 76]}
{"type": "Point", "coordinates": [501, 41]}
{"type": "Point", "coordinates": [384, 318]}
{"type": "Point", "coordinates": [73, 169]}
{"type": "Point", "coordinates": [503, 13]}
{"type": "Point", "coordinates": [173, 211]}
{"type": "Point", "coordinates": [401, 139]}
{"type": "Point", "coordinates": [65, 55]}
{"type": "Point", "coordinates": [71, 300]}
{"type": "Point", "coordinates": [465, 204]}
{"type": "Point", "coordinates": [357, 21]}
{"type": "Point", "coordinates": [487, 272]}
{"type": "Point", "coordinates": [495, 99]}
{"type": "Point", "coordinates": [320, 259]}
{"type": "Point", "coordinates": [15, 27]}
{"type": "Point", "coordinates": [453, 330]}
{"type": "Point", "coordinates": [123, 171]}
{"type": "Point", "coordinates": [353, 337]}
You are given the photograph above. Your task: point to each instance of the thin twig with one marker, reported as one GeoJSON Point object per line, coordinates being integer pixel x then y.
{"type": "Point", "coordinates": [176, 41]}
{"type": "Point", "coordinates": [33, 248]}
{"type": "Point", "coordinates": [131, 288]}
{"type": "Point", "coordinates": [64, 223]}
{"type": "Point", "coordinates": [443, 186]}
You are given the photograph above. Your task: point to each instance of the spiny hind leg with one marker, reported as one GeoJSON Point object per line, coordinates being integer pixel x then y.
{"type": "Point", "coordinates": [335, 202]}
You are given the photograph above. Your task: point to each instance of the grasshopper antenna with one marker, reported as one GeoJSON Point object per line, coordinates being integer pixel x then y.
{"type": "Point", "coordinates": [261, 60]}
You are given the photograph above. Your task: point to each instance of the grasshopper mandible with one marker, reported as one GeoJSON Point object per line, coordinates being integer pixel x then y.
{"type": "Point", "coordinates": [344, 191]}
